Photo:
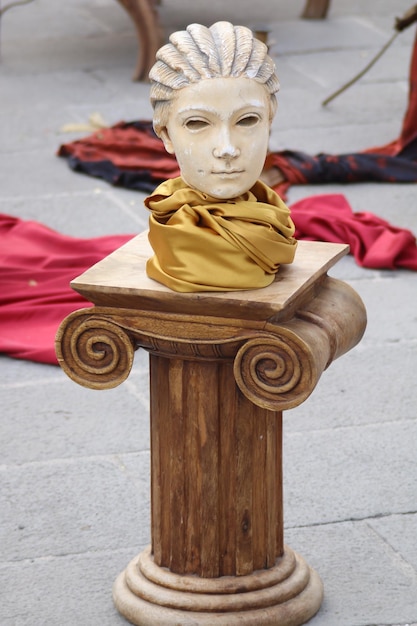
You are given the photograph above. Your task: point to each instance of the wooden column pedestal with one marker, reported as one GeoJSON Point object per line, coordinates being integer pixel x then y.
{"type": "Point", "coordinates": [223, 367]}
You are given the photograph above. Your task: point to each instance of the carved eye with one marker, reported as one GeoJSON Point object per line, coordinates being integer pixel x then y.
{"type": "Point", "coordinates": [248, 120]}
{"type": "Point", "coordinates": [196, 124]}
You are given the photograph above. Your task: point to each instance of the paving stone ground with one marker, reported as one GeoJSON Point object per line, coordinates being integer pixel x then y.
{"type": "Point", "coordinates": [74, 463]}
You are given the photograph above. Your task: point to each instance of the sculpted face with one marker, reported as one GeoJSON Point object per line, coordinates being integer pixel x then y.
{"type": "Point", "coordinates": [218, 129]}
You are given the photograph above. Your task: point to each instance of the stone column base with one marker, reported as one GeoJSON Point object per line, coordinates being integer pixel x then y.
{"type": "Point", "coordinates": [288, 594]}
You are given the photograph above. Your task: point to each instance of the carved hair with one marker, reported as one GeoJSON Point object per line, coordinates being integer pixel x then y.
{"type": "Point", "coordinates": [198, 53]}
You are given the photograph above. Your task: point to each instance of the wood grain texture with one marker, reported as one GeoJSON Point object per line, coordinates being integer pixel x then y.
{"type": "Point", "coordinates": [216, 501]}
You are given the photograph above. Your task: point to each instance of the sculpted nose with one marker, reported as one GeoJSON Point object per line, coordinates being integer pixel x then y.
{"type": "Point", "coordinates": [226, 148]}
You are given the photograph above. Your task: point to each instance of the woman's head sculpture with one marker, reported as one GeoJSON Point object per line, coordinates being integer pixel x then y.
{"type": "Point", "coordinates": [213, 92]}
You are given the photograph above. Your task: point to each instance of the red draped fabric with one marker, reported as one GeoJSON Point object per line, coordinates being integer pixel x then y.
{"type": "Point", "coordinates": [374, 242]}
{"type": "Point", "coordinates": [36, 267]}
{"type": "Point", "coordinates": [128, 154]}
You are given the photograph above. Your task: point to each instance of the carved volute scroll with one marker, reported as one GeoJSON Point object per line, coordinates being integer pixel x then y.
{"type": "Point", "coordinates": [281, 370]}
{"type": "Point", "coordinates": [275, 371]}
{"type": "Point", "coordinates": [94, 351]}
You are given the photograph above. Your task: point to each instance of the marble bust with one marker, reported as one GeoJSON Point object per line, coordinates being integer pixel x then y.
{"type": "Point", "coordinates": [217, 227]}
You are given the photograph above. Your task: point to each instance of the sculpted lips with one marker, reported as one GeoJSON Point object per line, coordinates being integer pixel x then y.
{"type": "Point", "coordinates": [228, 172]}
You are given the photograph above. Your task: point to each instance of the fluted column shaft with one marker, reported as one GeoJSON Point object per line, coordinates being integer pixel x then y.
{"type": "Point", "coordinates": [216, 472]}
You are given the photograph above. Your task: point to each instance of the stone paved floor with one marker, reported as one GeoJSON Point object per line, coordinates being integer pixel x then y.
{"type": "Point", "coordinates": [74, 493]}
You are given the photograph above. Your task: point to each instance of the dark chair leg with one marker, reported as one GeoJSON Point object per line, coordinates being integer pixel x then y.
{"type": "Point", "coordinates": [316, 9]}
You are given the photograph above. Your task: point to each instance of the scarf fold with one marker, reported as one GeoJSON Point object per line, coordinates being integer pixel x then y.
{"type": "Point", "coordinates": [201, 243]}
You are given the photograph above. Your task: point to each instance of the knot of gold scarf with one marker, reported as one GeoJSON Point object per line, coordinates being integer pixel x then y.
{"type": "Point", "coordinates": [205, 244]}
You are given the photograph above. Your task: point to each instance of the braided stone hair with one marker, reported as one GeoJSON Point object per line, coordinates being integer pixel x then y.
{"type": "Point", "coordinates": [199, 53]}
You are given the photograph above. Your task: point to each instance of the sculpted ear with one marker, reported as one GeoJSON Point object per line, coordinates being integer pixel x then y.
{"type": "Point", "coordinates": [163, 134]}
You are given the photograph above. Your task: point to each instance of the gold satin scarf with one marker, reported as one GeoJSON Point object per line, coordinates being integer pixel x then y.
{"type": "Point", "coordinates": [205, 244]}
